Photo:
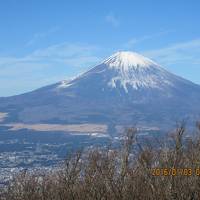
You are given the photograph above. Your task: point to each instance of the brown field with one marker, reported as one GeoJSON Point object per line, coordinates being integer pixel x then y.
{"type": "Point", "coordinates": [78, 128]}
{"type": "Point", "coordinates": [3, 116]}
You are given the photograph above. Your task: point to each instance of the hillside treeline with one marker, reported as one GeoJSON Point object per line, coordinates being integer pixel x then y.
{"type": "Point", "coordinates": [166, 173]}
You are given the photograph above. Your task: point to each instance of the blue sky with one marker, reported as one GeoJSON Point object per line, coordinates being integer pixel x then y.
{"type": "Point", "coordinates": [45, 41]}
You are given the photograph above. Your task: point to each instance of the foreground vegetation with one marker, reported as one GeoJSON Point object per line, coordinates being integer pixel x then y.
{"type": "Point", "coordinates": [170, 172]}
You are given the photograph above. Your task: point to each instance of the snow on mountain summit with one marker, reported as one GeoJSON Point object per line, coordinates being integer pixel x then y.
{"type": "Point", "coordinates": [135, 71]}
{"type": "Point", "coordinates": [126, 70]}
{"type": "Point", "coordinates": [127, 59]}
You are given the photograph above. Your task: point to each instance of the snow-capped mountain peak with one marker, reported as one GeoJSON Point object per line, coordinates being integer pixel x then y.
{"type": "Point", "coordinates": [125, 89]}
{"type": "Point", "coordinates": [132, 70]}
{"type": "Point", "coordinates": [126, 70]}
{"type": "Point", "coordinates": [126, 60]}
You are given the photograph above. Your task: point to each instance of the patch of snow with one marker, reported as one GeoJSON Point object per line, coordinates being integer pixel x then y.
{"type": "Point", "coordinates": [127, 60]}
{"type": "Point", "coordinates": [64, 84]}
{"type": "Point", "coordinates": [137, 71]}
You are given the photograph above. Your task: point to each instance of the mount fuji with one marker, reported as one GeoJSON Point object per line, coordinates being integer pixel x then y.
{"type": "Point", "coordinates": [125, 89]}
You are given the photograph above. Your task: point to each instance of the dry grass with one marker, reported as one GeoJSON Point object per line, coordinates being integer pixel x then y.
{"type": "Point", "coordinates": [116, 174]}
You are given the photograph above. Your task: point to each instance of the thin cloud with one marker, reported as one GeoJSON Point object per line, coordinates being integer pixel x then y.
{"type": "Point", "coordinates": [44, 66]}
{"type": "Point", "coordinates": [112, 19]}
{"type": "Point", "coordinates": [133, 41]}
{"type": "Point", "coordinates": [185, 52]}
{"type": "Point", "coordinates": [37, 36]}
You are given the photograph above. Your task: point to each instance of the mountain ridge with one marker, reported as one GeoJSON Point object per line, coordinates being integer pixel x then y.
{"type": "Point", "coordinates": [124, 89]}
